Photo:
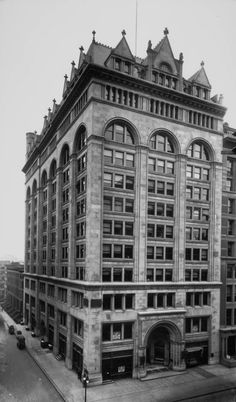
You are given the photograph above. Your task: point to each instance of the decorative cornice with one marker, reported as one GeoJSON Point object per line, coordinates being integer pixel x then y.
{"type": "Point", "coordinates": [91, 71]}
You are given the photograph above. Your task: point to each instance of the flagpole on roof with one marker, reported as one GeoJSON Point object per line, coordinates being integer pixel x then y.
{"type": "Point", "coordinates": [136, 27]}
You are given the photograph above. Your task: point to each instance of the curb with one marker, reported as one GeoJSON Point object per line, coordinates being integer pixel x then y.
{"type": "Point", "coordinates": [46, 375]}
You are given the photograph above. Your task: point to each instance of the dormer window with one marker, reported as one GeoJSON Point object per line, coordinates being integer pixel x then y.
{"type": "Point", "coordinates": [154, 76]}
{"type": "Point", "coordinates": [165, 67]}
{"type": "Point", "coordinates": [198, 92]}
{"type": "Point", "coordinates": [117, 64]}
{"type": "Point", "coordinates": [204, 94]}
{"type": "Point", "coordinates": [127, 67]}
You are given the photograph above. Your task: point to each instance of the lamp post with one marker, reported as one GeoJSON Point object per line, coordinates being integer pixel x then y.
{"type": "Point", "coordinates": [85, 380]}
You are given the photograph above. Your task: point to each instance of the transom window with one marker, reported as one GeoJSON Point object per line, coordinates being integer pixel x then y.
{"type": "Point", "coordinates": [119, 133]}
{"type": "Point", "coordinates": [198, 150]}
{"type": "Point", "coordinates": [161, 142]}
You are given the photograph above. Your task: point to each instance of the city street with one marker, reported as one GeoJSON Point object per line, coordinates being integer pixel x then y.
{"type": "Point", "coordinates": [20, 378]}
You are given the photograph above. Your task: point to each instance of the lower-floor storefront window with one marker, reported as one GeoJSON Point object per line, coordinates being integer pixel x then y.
{"type": "Point", "coordinates": [117, 364]}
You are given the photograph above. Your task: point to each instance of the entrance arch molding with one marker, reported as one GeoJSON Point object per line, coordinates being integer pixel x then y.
{"type": "Point", "coordinates": [174, 331]}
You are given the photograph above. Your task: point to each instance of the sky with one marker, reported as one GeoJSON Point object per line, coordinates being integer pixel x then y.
{"type": "Point", "coordinates": [40, 38]}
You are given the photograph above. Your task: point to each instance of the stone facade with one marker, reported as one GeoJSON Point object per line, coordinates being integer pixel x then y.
{"type": "Point", "coordinates": [123, 216]}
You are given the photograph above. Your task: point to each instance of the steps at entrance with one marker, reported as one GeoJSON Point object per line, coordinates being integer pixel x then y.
{"type": "Point", "coordinates": [160, 371]}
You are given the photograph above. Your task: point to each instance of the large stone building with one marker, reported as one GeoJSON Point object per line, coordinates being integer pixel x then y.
{"type": "Point", "coordinates": [228, 253]}
{"type": "Point", "coordinates": [14, 290]}
{"type": "Point", "coordinates": [123, 215]}
{"type": "Point", "coordinates": [3, 281]}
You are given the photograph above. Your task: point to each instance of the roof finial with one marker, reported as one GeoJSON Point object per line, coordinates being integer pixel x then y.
{"type": "Point", "coordinates": [81, 49]}
{"type": "Point", "coordinates": [202, 63]}
{"type": "Point", "coordinates": [123, 33]}
{"type": "Point", "coordinates": [166, 31]}
{"type": "Point", "coordinates": [94, 33]}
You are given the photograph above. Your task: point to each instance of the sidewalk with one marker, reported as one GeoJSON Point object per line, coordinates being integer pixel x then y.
{"type": "Point", "coordinates": [211, 383]}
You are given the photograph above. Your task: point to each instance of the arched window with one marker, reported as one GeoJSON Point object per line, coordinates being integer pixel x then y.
{"type": "Point", "coordinates": [80, 140]}
{"type": "Point", "coordinates": [198, 150]}
{"type": "Point", "coordinates": [119, 132]}
{"type": "Point", "coordinates": [34, 188]}
{"type": "Point", "coordinates": [28, 193]}
{"type": "Point", "coordinates": [65, 155]}
{"type": "Point", "coordinates": [44, 178]}
{"type": "Point", "coordinates": [53, 170]}
{"type": "Point", "coordinates": [165, 67]}
{"type": "Point", "coordinates": [162, 142]}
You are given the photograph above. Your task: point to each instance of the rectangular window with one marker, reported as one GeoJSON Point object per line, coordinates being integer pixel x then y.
{"type": "Point", "coordinates": [160, 209]}
{"type": "Point", "coordinates": [108, 156]}
{"type": "Point", "coordinates": [151, 164]}
{"type": "Point", "coordinates": [108, 179]}
{"type": "Point", "coordinates": [160, 231]}
{"type": "Point", "coordinates": [170, 210]}
{"type": "Point", "coordinates": [107, 227]}
{"type": "Point", "coordinates": [196, 233]}
{"type": "Point", "coordinates": [117, 251]}
{"type": "Point", "coordinates": [118, 205]}
{"type": "Point", "coordinates": [151, 186]}
{"type": "Point", "coordinates": [160, 166]}
{"type": "Point", "coordinates": [130, 160]}
{"type": "Point", "coordinates": [119, 158]}
{"type": "Point", "coordinates": [118, 228]}
{"type": "Point", "coordinates": [151, 208]}
{"type": "Point", "coordinates": [128, 228]}
{"type": "Point", "coordinates": [119, 181]}
{"type": "Point", "coordinates": [189, 171]}
{"type": "Point", "coordinates": [129, 205]}
{"type": "Point", "coordinates": [197, 173]}
{"type": "Point", "coordinates": [169, 188]}
{"type": "Point", "coordinates": [129, 183]}
{"type": "Point", "coordinates": [150, 253]}
{"type": "Point", "coordinates": [160, 187]}
{"type": "Point", "coordinates": [170, 167]}
{"type": "Point", "coordinates": [106, 250]}
{"type": "Point", "coordinates": [159, 253]}
{"type": "Point", "coordinates": [107, 203]}
{"type": "Point", "coordinates": [128, 251]}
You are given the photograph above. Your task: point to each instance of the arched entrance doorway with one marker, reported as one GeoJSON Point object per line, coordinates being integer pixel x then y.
{"type": "Point", "coordinates": [164, 346]}
{"type": "Point", "coordinates": [158, 347]}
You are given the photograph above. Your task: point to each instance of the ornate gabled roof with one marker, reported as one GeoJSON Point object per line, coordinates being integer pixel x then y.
{"type": "Point", "coordinates": [97, 52]}
{"type": "Point", "coordinates": [200, 77]}
{"type": "Point", "coordinates": [122, 49]}
{"type": "Point", "coordinates": [162, 54]}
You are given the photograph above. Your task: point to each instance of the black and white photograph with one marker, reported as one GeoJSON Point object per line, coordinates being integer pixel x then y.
{"type": "Point", "coordinates": [118, 201]}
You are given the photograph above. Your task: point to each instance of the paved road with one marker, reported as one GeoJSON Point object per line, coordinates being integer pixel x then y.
{"type": "Point", "coordinates": [21, 380]}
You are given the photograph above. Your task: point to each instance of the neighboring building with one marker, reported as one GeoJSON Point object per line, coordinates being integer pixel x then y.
{"type": "Point", "coordinates": [3, 281]}
{"type": "Point", "coordinates": [15, 287]}
{"type": "Point", "coordinates": [123, 215]}
{"type": "Point", "coordinates": [228, 255]}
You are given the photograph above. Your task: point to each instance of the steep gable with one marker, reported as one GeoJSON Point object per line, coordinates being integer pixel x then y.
{"type": "Point", "coordinates": [162, 54]}
{"type": "Point", "coordinates": [122, 49]}
{"type": "Point", "coordinates": [200, 77]}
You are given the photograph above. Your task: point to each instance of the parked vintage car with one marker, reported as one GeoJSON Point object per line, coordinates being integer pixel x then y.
{"type": "Point", "coordinates": [20, 341]}
{"type": "Point", "coordinates": [11, 329]}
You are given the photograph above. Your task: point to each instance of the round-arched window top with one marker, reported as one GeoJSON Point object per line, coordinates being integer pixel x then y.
{"type": "Point", "coordinates": [44, 178]}
{"type": "Point", "coordinates": [119, 132]}
{"type": "Point", "coordinates": [162, 142]}
{"type": "Point", "coordinates": [80, 139]}
{"type": "Point", "coordinates": [198, 150]}
{"type": "Point", "coordinates": [65, 155]}
{"type": "Point", "coordinates": [53, 169]}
